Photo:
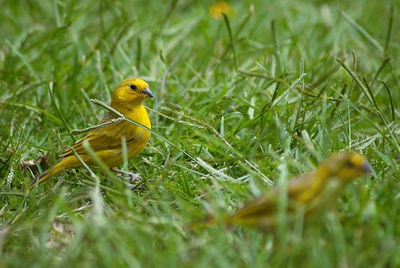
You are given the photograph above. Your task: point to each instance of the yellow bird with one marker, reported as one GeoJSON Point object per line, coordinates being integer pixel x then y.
{"type": "Point", "coordinates": [127, 99]}
{"type": "Point", "coordinates": [310, 192]}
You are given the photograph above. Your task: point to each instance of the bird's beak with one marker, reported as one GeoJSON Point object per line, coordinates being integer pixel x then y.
{"type": "Point", "coordinates": [147, 92]}
{"type": "Point", "coordinates": [366, 168]}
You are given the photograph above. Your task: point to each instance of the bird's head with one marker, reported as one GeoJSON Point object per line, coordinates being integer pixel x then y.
{"type": "Point", "coordinates": [131, 90]}
{"type": "Point", "coordinates": [347, 166]}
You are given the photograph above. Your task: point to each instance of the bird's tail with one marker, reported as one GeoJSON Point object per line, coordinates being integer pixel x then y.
{"type": "Point", "coordinates": [57, 168]}
{"type": "Point", "coordinates": [39, 178]}
{"type": "Point", "coordinates": [45, 175]}
{"type": "Point", "coordinates": [204, 223]}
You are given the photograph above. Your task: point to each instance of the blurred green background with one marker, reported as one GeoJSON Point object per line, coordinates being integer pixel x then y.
{"type": "Point", "coordinates": [257, 100]}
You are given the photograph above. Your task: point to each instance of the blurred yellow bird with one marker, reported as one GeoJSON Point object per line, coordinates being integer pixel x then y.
{"type": "Point", "coordinates": [311, 192]}
{"type": "Point", "coordinates": [127, 99]}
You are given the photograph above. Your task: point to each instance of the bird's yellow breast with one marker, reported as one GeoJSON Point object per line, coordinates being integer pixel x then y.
{"type": "Point", "coordinates": [139, 135]}
{"type": "Point", "coordinates": [140, 116]}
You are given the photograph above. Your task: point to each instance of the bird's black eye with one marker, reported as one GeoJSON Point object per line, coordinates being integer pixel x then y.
{"type": "Point", "coordinates": [133, 87]}
{"type": "Point", "coordinates": [350, 164]}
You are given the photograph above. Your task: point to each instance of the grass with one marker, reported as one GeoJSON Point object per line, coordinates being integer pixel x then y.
{"type": "Point", "coordinates": [241, 104]}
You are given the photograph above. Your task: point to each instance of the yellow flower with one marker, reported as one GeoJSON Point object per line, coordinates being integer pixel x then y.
{"type": "Point", "coordinates": [217, 8]}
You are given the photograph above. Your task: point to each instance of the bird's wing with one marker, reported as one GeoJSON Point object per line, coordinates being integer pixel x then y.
{"type": "Point", "coordinates": [300, 185]}
{"type": "Point", "coordinates": [106, 138]}
{"type": "Point", "coordinates": [267, 204]}
{"type": "Point", "coordinates": [261, 206]}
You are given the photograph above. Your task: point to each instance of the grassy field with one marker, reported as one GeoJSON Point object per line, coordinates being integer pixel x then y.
{"type": "Point", "coordinates": [243, 107]}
